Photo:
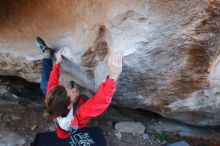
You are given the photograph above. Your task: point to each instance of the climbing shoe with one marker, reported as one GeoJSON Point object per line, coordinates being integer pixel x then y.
{"type": "Point", "coordinates": [48, 52]}
{"type": "Point", "coordinates": [41, 44]}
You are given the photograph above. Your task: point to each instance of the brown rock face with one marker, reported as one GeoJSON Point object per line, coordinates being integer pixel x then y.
{"type": "Point", "coordinates": [171, 49]}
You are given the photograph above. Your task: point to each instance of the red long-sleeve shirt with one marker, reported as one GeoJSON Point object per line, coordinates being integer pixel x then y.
{"type": "Point", "coordinates": [93, 107]}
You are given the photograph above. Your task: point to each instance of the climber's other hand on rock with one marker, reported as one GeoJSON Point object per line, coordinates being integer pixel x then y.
{"type": "Point", "coordinates": [115, 65]}
{"type": "Point", "coordinates": [59, 57]}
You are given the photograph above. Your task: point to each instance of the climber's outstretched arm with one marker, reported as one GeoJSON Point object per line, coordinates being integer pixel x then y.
{"type": "Point", "coordinates": [54, 75]}
{"type": "Point", "coordinates": [97, 104]}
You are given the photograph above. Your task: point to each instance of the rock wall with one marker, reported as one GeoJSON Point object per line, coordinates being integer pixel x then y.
{"type": "Point", "coordinates": [171, 49]}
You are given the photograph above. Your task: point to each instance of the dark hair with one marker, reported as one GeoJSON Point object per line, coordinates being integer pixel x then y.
{"type": "Point", "coordinates": [57, 103]}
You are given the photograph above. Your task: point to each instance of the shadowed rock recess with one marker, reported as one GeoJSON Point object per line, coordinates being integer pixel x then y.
{"type": "Point", "coordinates": [171, 50]}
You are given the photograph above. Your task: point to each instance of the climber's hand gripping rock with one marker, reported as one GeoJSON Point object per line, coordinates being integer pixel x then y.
{"type": "Point", "coordinates": [115, 65]}
{"type": "Point", "coordinates": [59, 57]}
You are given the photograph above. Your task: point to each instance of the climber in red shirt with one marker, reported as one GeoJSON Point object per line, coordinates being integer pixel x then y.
{"type": "Point", "coordinates": [63, 103]}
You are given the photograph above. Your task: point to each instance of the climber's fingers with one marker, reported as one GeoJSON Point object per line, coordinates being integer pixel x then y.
{"type": "Point", "coordinates": [119, 58]}
{"type": "Point", "coordinates": [115, 65]}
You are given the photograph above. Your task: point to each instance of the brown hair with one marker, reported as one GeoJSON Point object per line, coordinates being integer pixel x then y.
{"type": "Point", "coordinates": [57, 103]}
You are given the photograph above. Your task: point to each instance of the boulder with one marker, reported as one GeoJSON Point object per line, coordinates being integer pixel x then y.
{"type": "Point", "coordinates": [130, 127]}
{"type": "Point", "coordinates": [171, 50]}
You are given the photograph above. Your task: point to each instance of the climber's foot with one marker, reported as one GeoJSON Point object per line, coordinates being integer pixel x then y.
{"type": "Point", "coordinates": [48, 52]}
{"type": "Point", "coordinates": [41, 44]}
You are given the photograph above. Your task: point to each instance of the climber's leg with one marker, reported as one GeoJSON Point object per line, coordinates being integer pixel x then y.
{"type": "Point", "coordinates": [45, 73]}
{"type": "Point", "coordinates": [47, 63]}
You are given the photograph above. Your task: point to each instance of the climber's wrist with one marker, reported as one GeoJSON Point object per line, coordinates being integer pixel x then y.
{"type": "Point", "coordinates": [113, 77]}
{"type": "Point", "coordinates": [58, 63]}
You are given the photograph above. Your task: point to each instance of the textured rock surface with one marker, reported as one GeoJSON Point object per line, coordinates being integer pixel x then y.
{"type": "Point", "coordinates": [171, 49]}
{"type": "Point", "coordinates": [130, 127]}
{"type": "Point", "coordinates": [200, 133]}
